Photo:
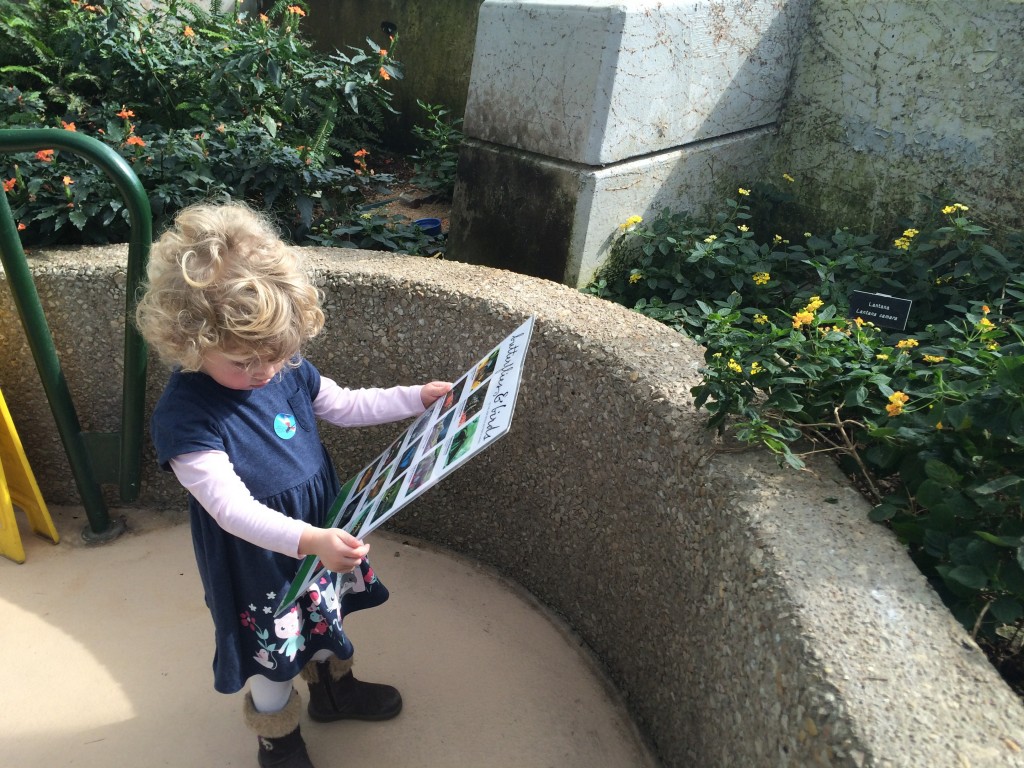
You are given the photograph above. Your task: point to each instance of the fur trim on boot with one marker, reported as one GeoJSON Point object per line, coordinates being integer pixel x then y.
{"type": "Point", "coordinates": [281, 744]}
{"type": "Point", "coordinates": [334, 694]}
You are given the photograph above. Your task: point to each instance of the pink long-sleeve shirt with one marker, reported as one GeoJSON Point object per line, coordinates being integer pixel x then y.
{"type": "Point", "coordinates": [210, 477]}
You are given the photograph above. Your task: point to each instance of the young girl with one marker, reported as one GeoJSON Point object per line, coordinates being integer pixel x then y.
{"type": "Point", "coordinates": [228, 305]}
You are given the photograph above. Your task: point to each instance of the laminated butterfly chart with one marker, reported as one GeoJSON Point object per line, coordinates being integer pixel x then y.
{"type": "Point", "coordinates": [476, 412]}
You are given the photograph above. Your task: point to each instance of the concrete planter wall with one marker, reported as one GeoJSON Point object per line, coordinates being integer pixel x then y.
{"type": "Point", "coordinates": [891, 99]}
{"type": "Point", "coordinates": [750, 615]}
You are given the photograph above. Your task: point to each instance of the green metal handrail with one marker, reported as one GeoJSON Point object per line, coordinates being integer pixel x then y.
{"type": "Point", "coordinates": [94, 457]}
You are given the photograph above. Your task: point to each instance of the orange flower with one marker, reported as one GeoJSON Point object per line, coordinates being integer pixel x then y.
{"type": "Point", "coordinates": [68, 126]}
{"type": "Point", "coordinates": [46, 155]}
{"type": "Point", "coordinates": [383, 51]}
{"type": "Point", "coordinates": [296, 10]}
{"type": "Point", "coordinates": [68, 181]}
{"type": "Point", "coordinates": [21, 226]}
{"type": "Point", "coordinates": [263, 18]}
{"type": "Point", "coordinates": [135, 141]}
{"type": "Point", "coordinates": [384, 74]}
{"type": "Point", "coordinates": [188, 31]}
{"type": "Point", "coordinates": [125, 113]}
{"type": "Point", "coordinates": [360, 156]}
{"type": "Point", "coordinates": [9, 184]}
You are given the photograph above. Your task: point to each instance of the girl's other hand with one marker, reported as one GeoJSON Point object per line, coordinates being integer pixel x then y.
{"type": "Point", "coordinates": [434, 390]}
{"type": "Point", "coordinates": [338, 550]}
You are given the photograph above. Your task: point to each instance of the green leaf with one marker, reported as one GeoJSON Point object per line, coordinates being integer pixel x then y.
{"type": "Point", "coordinates": [931, 494]}
{"type": "Point", "coordinates": [1012, 577]}
{"type": "Point", "coordinates": [999, 484]}
{"type": "Point", "coordinates": [1000, 541]}
{"type": "Point", "coordinates": [1009, 372]}
{"type": "Point", "coordinates": [883, 512]}
{"type": "Point", "coordinates": [794, 461]}
{"type": "Point", "coordinates": [786, 401]}
{"type": "Point", "coordinates": [969, 575]}
{"type": "Point", "coordinates": [855, 396]}
{"type": "Point", "coordinates": [1007, 609]}
{"type": "Point", "coordinates": [941, 473]}
{"type": "Point", "coordinates": [936, 543]}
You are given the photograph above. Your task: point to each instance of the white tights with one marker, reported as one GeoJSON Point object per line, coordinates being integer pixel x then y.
{"type": "Point", "coordinates": [271, 695]}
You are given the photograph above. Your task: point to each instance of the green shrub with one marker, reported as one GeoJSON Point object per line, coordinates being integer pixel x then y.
{"type": "Point", "coordinates": [929, 424]}
{"type": "Point", "coordinates": [437, 160]}
{"type": "Point", "coordinates": [203, 104]}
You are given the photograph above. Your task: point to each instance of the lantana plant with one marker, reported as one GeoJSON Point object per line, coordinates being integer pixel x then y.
{"type": "Point", "coordinates": [927, 420]}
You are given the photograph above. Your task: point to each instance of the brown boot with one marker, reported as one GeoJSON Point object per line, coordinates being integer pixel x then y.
{"type": "Point", "coordinates": [281, 744]}
{"type": "Point", "coordinates": [334, 694]}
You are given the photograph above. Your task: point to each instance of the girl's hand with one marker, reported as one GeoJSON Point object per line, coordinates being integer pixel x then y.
{"type": "Point", "coordinates": [434, 390]}
{"type": "Point", "coordinates": [338, 550]}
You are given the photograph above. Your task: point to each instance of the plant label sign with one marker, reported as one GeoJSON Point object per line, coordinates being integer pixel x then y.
{"type": "Point", "coordinates": [475, 413]}
{"type": "Point", "coordinates": [881, 309]}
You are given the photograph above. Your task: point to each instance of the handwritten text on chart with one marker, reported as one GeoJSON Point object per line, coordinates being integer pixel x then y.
{"type": "Point", "coordinates": [502, 393]}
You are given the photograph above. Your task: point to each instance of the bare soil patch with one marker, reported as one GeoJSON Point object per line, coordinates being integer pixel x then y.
{"type": "Point", "coordinates": [403, 198]}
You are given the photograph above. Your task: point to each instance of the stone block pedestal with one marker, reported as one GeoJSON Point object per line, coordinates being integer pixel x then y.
{"type": "Point", "coordinates": [580, 116]}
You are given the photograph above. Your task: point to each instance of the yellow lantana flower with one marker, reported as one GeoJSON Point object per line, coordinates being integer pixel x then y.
{"type": "Point", "coordinates": [802, 318]}
{"type": "Point", "coordinates": [896, 402]}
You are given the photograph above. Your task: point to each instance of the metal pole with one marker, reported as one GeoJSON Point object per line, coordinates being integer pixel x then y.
{"type": "Point", "coordinates": [26, 300]}
{"type": "Point", "coordinates": [41, 342]}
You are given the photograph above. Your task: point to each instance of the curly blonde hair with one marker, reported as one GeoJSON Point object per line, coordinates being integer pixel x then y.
{"type": "Point", "coordinates": [221, 280]}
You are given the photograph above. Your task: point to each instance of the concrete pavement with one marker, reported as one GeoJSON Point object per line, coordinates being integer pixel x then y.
{"type": "Point", "coordinates": [107, 652]}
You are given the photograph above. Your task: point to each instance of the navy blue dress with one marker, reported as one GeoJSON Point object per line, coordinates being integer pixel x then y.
{"type": "Point", "coordinates": [270, 435]}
